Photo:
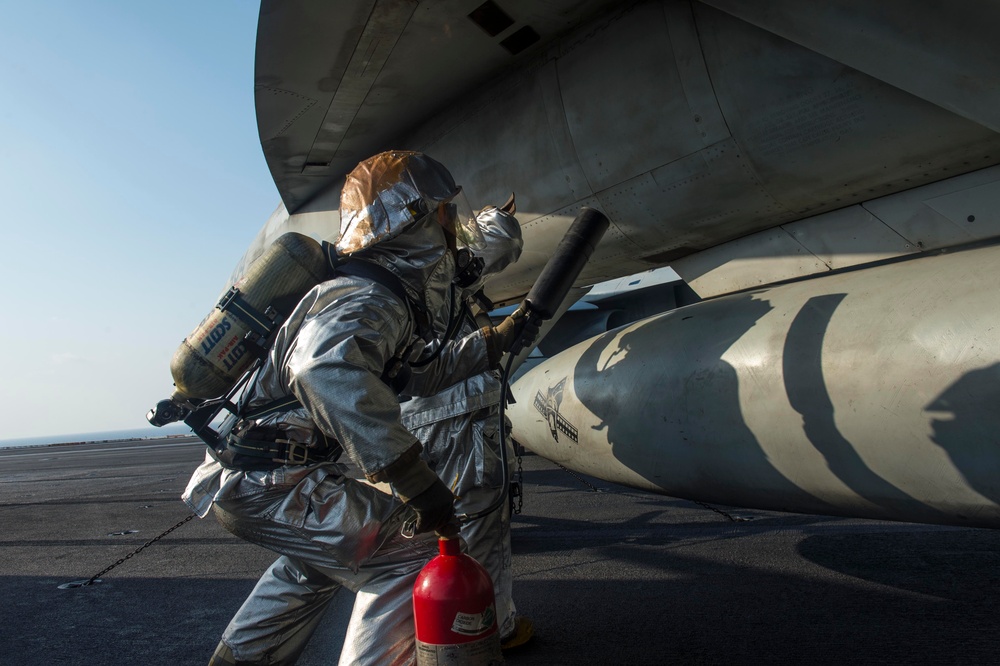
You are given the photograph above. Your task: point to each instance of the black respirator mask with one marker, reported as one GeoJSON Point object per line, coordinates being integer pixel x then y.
{"type": "Point", "coordinates": [468, 268]}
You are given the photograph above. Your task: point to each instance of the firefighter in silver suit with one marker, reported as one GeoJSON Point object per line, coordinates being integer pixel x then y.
{"type": "Point", "coordinates": [402, 214]}
{"type": "Point", "coordinates": [459, 429]}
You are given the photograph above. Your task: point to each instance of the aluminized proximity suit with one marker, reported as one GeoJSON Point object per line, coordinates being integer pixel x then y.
{"type": "Point", "coordinates": [459, 429]}
{"type": "Point", "coordinates": [333, 531]}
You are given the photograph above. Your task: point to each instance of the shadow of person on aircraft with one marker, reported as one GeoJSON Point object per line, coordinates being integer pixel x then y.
{"type": "Point", "coordinates": [687, 409]}
{"type": "Point", "coordinates": [805, 386]}
{"type": "Point", "coordinates": [973, 429]}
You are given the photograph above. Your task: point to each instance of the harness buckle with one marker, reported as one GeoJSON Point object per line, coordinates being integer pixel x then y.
{"type": "Point", "coordinates": [296, 453]}
{"type": "Point", "coordinates": [409, 528]}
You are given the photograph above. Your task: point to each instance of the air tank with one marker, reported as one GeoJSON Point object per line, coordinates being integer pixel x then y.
{"type": "Point", "coordinates": [216, 353]}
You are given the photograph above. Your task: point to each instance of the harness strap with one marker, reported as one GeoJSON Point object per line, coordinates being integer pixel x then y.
{"type": "Point", "coordinates": [381, 275]}
{"type": "Point", "coordinates": [378, 274]}
{"type": "Point", "coordinates": [259, 322]}
{"type": "Point", "coordinates": [279, 406]}
{"type": "Point", "coordinates": [258, 444]}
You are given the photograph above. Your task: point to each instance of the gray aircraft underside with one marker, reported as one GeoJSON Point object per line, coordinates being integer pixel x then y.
{"type": "Point", "coordinates": [823, 175]}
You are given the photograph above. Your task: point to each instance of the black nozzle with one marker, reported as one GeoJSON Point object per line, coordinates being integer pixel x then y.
{"type": "Point", "coordinates": [564, 267]}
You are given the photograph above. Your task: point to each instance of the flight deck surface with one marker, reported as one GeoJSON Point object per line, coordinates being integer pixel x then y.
{"type": "Point", "coordinates": [609, 575]}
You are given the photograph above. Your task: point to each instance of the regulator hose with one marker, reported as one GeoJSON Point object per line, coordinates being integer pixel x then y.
{"type": "Point", "coordinates": [504, 461]}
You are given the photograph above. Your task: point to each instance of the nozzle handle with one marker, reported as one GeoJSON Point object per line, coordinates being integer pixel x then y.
{"type": "Point", "coordinates": [565, 265]}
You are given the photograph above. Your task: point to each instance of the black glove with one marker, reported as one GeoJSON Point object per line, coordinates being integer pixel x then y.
{"type": "Point", "coordinates": [520, 329]}
{"type": "Point", "coordinates": [420, 488]}
{"type": "Point", "coordinates": [435, 508]}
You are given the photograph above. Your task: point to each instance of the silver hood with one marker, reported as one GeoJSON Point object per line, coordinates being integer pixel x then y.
{"type": "Point", "coordinates": [420, 258]}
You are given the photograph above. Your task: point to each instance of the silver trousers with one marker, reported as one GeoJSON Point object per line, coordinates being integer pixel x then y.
{"type": "Point", "coordinates": [331, 532]}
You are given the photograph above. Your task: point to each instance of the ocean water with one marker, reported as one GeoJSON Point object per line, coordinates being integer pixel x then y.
{"type": "Point", "coordinates": [148, 432]}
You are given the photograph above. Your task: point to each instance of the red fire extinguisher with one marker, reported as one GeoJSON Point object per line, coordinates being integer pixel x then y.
{"type": "Point", "coordinates": [454, 611]}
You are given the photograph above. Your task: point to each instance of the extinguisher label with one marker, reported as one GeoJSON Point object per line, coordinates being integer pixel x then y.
{"type": "Point", "coordinates": [480, 652]}
{"type": "Point", "coordinates": [471, 624]}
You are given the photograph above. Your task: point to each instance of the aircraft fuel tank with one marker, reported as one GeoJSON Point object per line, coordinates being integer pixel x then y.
{"type": "Point", "coordinates": [870, 393]}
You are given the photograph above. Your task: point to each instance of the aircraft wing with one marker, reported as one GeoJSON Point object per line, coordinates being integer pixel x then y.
{"type": "Point", "coordinates": [741, 143]}
{"type": "Point", "coordinates": [338, 82]}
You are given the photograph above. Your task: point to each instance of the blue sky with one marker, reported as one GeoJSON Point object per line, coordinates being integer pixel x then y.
{"type": "Point", "coordinates": [132, 180]}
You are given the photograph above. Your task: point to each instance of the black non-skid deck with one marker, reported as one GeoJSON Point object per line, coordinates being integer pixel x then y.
{"type": "Point", "coordinates": [609, 575]}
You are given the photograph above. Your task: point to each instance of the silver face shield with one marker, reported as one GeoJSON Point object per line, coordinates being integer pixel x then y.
{"type": "Point", "coordinates": [458, 220]}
